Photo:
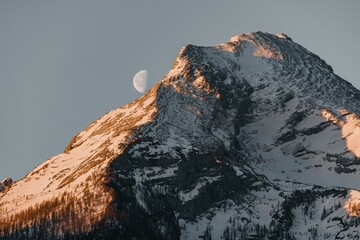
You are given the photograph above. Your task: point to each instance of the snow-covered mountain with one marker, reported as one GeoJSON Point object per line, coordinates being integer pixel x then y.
{"type": "Point", "coordinates": [255, 138]}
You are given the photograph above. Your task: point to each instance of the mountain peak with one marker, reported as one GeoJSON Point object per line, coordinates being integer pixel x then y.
{"type": "Point", "coordinates": [255, 55]}
{"type": "Point", "coordinates": [283, 35]}
{"type": "Point", "coordinates": [258, 36]}
{"type": "Point", "coordinates": [256, 133]}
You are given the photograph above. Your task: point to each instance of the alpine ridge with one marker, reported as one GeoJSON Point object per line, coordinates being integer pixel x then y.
{"type": "Point", "coordinates": [255, 138]}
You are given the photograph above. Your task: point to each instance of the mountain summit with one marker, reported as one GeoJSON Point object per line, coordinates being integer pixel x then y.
{"type": "Point", "coordinates": [256, 138]}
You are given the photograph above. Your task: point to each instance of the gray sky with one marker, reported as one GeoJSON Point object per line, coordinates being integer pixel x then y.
{"type": "Point", "coordinates": [65, 63]}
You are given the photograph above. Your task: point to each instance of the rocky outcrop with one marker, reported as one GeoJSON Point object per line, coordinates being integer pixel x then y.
{"type": "Point", "coordinates": [6, 183]}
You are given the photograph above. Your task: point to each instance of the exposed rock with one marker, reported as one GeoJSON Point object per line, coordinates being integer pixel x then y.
{"type": "Point", "coordinates": [286, 137]}
{"type": "Point", "coordinates": [284, 97]}
{"type": "Point", "coordinates": [7, 181]}
{"type": "Point", "coordinates": [340, 169]}
{"type": "Point", "coordinates": [295, 118]}
{"type": "Point", "coordinates": [315, 129]}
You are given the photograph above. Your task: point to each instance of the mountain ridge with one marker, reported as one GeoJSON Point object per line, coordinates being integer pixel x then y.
{"type": "Point", "coordinates": [195, 156]}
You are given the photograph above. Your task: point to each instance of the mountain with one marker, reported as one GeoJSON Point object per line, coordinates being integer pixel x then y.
{"type": "Point", "coordinates": [256, 138]}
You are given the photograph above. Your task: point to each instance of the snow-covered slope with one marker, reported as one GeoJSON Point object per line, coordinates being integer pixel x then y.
{"type": "Point", "coordinates": [255, 138]}
{"type": "Point", "coordinates": [87, 156]}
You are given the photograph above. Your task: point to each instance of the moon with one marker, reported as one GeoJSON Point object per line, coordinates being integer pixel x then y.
{"type": "Point", "coordinates": [140, 81]}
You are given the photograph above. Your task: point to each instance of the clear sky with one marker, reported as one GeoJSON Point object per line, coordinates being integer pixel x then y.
{"type": "Point", "coordinates": [65, 63]}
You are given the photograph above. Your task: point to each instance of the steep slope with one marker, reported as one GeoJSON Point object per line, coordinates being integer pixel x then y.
{"type": "Point", "coordinates": [78, 174]}
{"type": "Point", "coordinates": [255, 138]}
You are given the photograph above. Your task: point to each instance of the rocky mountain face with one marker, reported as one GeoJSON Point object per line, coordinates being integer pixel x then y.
{"type": "Point", "coordinates": [255, 138]}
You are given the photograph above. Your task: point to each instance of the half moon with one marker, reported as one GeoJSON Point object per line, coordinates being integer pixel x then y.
{"type": "Point", "coordinates": [140, 81]}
